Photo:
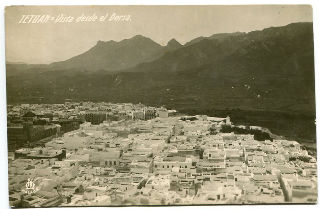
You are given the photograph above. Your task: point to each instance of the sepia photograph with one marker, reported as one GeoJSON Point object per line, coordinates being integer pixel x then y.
{"type": "Point", "coordinates": [160, 105]}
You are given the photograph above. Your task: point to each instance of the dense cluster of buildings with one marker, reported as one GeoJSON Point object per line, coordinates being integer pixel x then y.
{"type": "Point", "coordinates": [28, 123]}
{"type": "Point", "coordinates": [126, 154]}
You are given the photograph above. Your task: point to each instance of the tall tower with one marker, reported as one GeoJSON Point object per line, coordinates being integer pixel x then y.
{"type": "Point", "coordinates": [228, 120]}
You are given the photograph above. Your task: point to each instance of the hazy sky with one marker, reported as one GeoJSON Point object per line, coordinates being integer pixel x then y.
{"type": "Point", "coordinates": [49, 42]}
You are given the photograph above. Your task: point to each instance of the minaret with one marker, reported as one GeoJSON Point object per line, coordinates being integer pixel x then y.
{"type": "Point", "coordinates": [228, 121]}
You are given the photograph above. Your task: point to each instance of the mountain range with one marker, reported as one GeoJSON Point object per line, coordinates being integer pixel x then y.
{"type": "Point", "coordinates": [271, 69]}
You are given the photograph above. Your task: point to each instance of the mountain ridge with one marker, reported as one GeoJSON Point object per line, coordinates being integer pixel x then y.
{"type": "Point", "coordinates": [106, 55]}
{"type": "Point", "coordinates": [270, 69]}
